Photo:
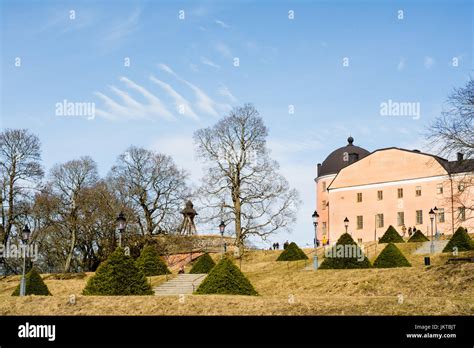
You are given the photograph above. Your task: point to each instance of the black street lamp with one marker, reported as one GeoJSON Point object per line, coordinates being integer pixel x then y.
{"type": "Point", "coordinates": [346, 223]}
{"type": "Point", "coordinates": [315, 217]}
{"type": "Point", "coordinates": [221, 230]}
{"type": "Point", "coordinates": [25, 235]}
{"type": "Point", "coordinates": [436, 222]}
{"type": "Point", "coordinates": [121, 223]}
{"type": "Point", "coordinates": [432, 216]}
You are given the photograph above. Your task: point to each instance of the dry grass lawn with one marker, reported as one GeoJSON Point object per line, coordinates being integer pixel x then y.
{"type": "Point", "coordinates": [284, 288]}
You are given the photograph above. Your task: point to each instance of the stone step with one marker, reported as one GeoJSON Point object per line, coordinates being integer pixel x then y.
{"type": "Point", "coordinates": [182, 284]}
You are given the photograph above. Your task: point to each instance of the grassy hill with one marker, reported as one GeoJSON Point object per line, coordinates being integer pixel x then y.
{"type": "Point", "coordinates": [285, 288]}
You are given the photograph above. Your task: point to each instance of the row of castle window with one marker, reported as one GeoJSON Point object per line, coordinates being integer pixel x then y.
{"type": "Point", "coordinates": [439, 190]}
{"type": "Point", "coordinates": [379, 218]}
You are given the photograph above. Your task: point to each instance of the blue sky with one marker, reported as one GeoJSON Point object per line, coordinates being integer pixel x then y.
{"type": "Point", "coordinates": [190, 62]}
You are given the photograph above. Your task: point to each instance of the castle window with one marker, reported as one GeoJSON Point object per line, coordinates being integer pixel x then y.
{"type": "Point", "coordinates": [324, 185]}
{"type": "Point", "coordinates": [441, 215]}
{"type": "Point", "coordinates": [462, 213]}
{"type": "Point", "coordinates": [379, 220]}
{"type": "Point", "coordinates": [461, 187]}
{"type": "Point", "coordinates": [323, 205]}
{"type": "Point", "coordinates": [359, 197]}
{"type": "Point", "coordinates": [360, 222]}
{"type": "Point", "coordinates": [400, 218]}
{"type": "Point", "coordinates": [418, 191]}
{"type": "Point", "coordinates": [400, 193]}
{"type": "Point", "coordinates": [419, 217]}
{"type": "Point", "coordinates": [379, 195]}
{"type": "Point", "coordinates": [439, 189]}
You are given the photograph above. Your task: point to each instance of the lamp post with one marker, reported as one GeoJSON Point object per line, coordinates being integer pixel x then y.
{"type": "Point", "coordinates": [346, 223]}
{"type": "Point", "coordinates": [24, 238]}
{"type": "Point", "coordinates": [121, 221]}
{"type": "Point", "coordinates": [435, 210]}
{"type": "Point", "coordinates": [315, 217]}
{"type": "Point", "coordinates": [221, 230]}
{"type": "Point", "coordinates": [432, 216]}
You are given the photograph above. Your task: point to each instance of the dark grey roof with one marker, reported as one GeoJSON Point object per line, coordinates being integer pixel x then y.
{"type": "Point", "coordinates": [335, 161]}
{"type": "Point", "coordinates": [463, 166]}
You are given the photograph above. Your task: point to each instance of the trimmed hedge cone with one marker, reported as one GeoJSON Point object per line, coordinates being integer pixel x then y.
{"type": "Point", "coordinates": [34, 285]}
{"type": "Point", "coordinates": [345, 255]}
{"type": "Point", "coordinates": [118, 276]}
{"type": "Point", "coordinates": [150, 263]}
{"type": "Point", "coordinates": [391, 236]}
{"type": "Point", "coordinates": [391, 257]}
{"type": "Point", "coordinates": [418, 236]}
{"type": "Point", "coordinates": [460, 240]}
{"type": "Point", "coordinates": [204, 264]}
{"type": "Point", "coordinates": [292, 253]}
{"type": "Point", "coordinates": [226, 279]}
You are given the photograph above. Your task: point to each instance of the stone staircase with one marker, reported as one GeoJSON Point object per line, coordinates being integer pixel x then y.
{"type": "Point", "coordinates": [182, 284]}
{"type": "Point", "coordinates": [438, 247]}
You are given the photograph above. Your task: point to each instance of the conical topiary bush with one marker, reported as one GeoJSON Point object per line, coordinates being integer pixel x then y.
{"type": "Point", "coordinates": [460, 240]}
{"type": "Point", "coordinates": [118, 276]}
{"type": "Point", "coordinates": [391, 257]}
{"type": "Point", "coordinates": [391, 236]}
{"type": "Point", "coordinates": [418, 236]}
{"type": "Point", "coordinates": [292, 253]}
{"type": "Point", "coordinates": [344, 255]}
{"type": "Point", "coordinates": [204, 264]}
{"type": "Point", "coordinates": [34, 285]}
{"type": "Point", "coordinates": [226, 278]}
{"type": "Point", "coordinates": [150, 263]}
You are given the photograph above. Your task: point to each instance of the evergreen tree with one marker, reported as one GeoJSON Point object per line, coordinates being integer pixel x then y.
{"type": "Point", "coordinates": [390, 257]}
{"type": "Point", "coordinates": [460, 240]}
{"type": "Point", "coordinates": [34, 285]}
{"type": "Point", "coordinates": [345, 254]}
{"type": "Point", "coordinates": [150, 263]}
{"type": "Point", "coordinates": [391, 236]}
{"type": "Point", "coordinates": [204, 264]}
{"type": "Point", "coordinates": [418, 236]}
{"type": "Point", "coordinates": [226, 278]}
{"type": "Point", "coordinates": [292, 253]}
{"type": "Point", "coordinates": [118, 276]}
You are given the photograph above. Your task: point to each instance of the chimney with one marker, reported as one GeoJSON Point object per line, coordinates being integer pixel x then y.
{"type": "Point", "coordinates": [460, 156]}
{"type": "Point", "coordinates": [319, 168]}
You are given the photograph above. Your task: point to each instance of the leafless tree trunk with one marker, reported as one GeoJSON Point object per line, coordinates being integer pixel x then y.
{"type": "Point", "coordinates": [153, 186]}
{"type": "Point", "coordinates": [451, 133]}
{"type": "Point", "coordinates": [453, 130]}
{"type": "Point", "coordinates": [20, 169]}
{"type": "Point", "coordinates": [69, 180]}
{"type": "Point", "coordinates": [242, 184]}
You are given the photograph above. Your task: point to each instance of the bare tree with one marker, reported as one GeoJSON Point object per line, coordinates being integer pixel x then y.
{"type": "Point", "coordinates": [242, 184]}
{"type": "Point", "coordinates": [20, 169]}
{"type": "Point", "coordinates": [69, 181]}
{"type": "Point", "coordinates": [153, 186]}
{"type": "Point", "coordinates": [453, 130]}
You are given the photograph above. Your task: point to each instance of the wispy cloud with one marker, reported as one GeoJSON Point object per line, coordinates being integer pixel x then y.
{"type": "Point", "coordinates": [222, 24]}
{"type": "Point", "coordinates": [210, 63]}
{"type": "Point", "coordinates": [224, 91]}
{"type": "Point", "coordinates": [130, 108]}
{"type": "Point", "coordinates": [123, 27]}
{"type": "Point", "coordinates": [203, 101]}
{"type": "Point", "coordinates": [223, 50]}
{"type": "Point", "coordinates": [401, 64]}
{"type": "Point", "coordinates": [429, 62]}
{"type": "Point", "coordinates": [180, 102]}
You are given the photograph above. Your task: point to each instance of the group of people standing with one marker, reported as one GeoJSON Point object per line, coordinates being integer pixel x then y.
{"type": "Point", "coordinates": [276, 246]}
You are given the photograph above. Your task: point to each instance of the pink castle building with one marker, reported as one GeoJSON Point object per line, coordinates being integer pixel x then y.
{"type": "Point", "coordinates": [391, 186]}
